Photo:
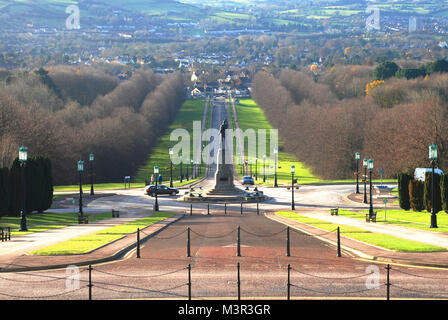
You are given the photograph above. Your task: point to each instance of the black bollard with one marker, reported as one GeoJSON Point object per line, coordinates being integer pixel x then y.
{"type": "Point", "coordinates": [238, 240]}
{"type": "Point", "coordinates": [225, 208]}
{"type": "Point", "coordinates": [138, 242]}
{"type": "Point", "coordinates": [241, 208]}
{"type": "Point", "coordinates": [388, 284]}
{"type": "Point", "coordinates": [289, 283]}
{"type": "Point", "coordinates": [188, 242]}
{"type": "Point", "coordinates": [208, 208]}
{"type": "Point", "coordinates": [191, 209]}
{"type": "Point", "coordinates": [189, 281]}
{"type": "Point", "coordinates": [258, 209]}
{"type": "Point", "coordinates": [239, 280]}
{"type": "Point", "coordinates": [90, 282]}
{"type": "Point", "coordinates": [339, 243]}
{"type": "Point", "coordinates": [288, 251]}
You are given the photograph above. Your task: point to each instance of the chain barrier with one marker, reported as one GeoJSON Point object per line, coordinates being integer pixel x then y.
{"type": "Point", "coordinates": [142, 290]}
{"type": "Point", "coordinates": [418, 276]}
{"type": "Point", "coordinates": [164, 238]}
{"type": "Point", "coordinates": [144, 276]}
{"type": "Point", "coordinates": [328, 278]}
{"type": "Point", "coordinates": [213, 237]}
{"type": "Point", "coordinates": [313, 235]}
{"type": "Point", "coordinates": [262, 236]}
{"type": "Point", "coordinates": [42, 297]}
{"type": "Point", "coordinates": [326, 292]}
{"type": "Point", "coordinates": [418, 291]}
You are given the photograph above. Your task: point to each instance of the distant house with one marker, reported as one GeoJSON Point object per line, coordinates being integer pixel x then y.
{"type": "Point", "coordinates": [196, 93]}
{"type": "Point", "coordinates": [194, 77]}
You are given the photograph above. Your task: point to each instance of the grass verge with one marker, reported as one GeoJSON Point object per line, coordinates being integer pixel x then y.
{"type": "Point", "coordinates": [37, 222]}
{"type": "Point", "coordinates": [411, 219]}
{"type": "Point", "coordinates": [377, 239]}
{"type": "Point", "coordinates": [88, 243]}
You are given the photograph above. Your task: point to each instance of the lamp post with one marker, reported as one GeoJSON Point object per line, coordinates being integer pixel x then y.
{"type": "Point", "coordinates": [370, 167]}
{"type": "Point", "coordinates": [181, 174]}
{"type": "Point", "coordinates": [91, 159]}
{"type": "Point", "coordinates": [357, 157]}
{"type": "Point", "coordinates": [80, 170]}
{"type": "Point", "coordinates": [250, 167]}
{"type": "Point", "coordinates": [245, 167]}
{"type": "Point", "coordinates": [275, 174]}
{"type": "Point", "coordinates": [293, 169]}
{"type": "Point", "coordinates": [256, 168]}
{"type": "Point", "coordinates": [171, 167]}
{"type": "Point", "coordinates": [264, 167]}
{"type": "Point", "coordinates": [156, 178]}
{"type": "Point", "coordinates": [192, 169]}
{"type": "Point", "coordinates": [23, 158]}
{"type": "Point", "coordinates": [364, 163]}
{"type": "Point", "coordinates": [433, 158]}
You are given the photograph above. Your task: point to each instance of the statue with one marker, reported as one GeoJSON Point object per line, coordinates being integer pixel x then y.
{"type": "Point", "coordinates": [223, 127]}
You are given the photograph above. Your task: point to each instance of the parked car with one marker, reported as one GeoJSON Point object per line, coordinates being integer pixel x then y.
{"type": "Point", "coordinates": [161, 189]}
{"type": "Point", "coordinates": [248, 180]}
{"type": "Point", "coordinates": [419, 173]}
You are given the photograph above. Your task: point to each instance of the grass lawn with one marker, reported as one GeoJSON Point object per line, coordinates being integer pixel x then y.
{"type": "Point", "coordinates": [250, 116]}
{"type": "Point", "coordinates": [411, 219]}
{"type": "Point", "coordinates": [88, 243]}
{"type": "Point", "coordinates": [192, 110]}
{"type": "Point", "coordinates": [377, 239]}
{"type": "Point", "coordinates": [46, 221]}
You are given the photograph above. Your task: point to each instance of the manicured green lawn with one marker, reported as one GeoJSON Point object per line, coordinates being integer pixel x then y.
{"type": "Point", "coordinates": [88, 243]}
{"type": "Point", "coordinates": [192, 110]}
{"type": "Point", "coordinates": [411, 219]}
{"type": "Point", "coordinates": [250, 116]}
{"type": "Point", "coordinates": [99, 186]}
{"type": "Point", "coordinates": [46, 221]}
{"type": "Point", "coordinates": [378, 239]}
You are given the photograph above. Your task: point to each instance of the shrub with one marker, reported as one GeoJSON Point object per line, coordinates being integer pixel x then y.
{"type": "Point", "coordinates": [444, 192]}
{"type": "Point", "coordinates": [416, 191]}
{"type": "Point", "coordinates": [427, 194]}
{"type": "Point", "coordinates": [403, 190]}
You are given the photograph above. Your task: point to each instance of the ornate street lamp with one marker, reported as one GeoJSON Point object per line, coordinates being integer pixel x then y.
{"type": "Point", "coordinates": [256, 168]}
{"type": "Point", "coordinates": [433, 158]}
{"type": "Point", "coordinates": [275, 174]}
{"type": "Point", "coordinates": [23, 158]}
{"type": "Point", "coordinates": [156, 178]}
{"type": "Point", "coordinates": [91, 159]}
{"type": "Point", "coordinates": [357, 157]}
{"type": "Point", "coordinates": [192, 169]}
{"type": "Point", "coordinates": [171, 167]}
{"type": "Point", "coordinates": [293, 170]}
{"type": "Point", "coordinates": [364, 163]}
{"type": "Point", "coordinates": [80, 170]}
{"type": "Point", "coordinates": [250, 167]}
{"type": "Point", "coordinates": [370, 167]}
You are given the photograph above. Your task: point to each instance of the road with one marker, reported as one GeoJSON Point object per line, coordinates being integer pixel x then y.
{"type": "Point", "coordinates": [161, 272]}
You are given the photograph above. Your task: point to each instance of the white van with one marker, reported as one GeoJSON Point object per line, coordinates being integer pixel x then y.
{"type": "Point", "coordinates": [419, 173]}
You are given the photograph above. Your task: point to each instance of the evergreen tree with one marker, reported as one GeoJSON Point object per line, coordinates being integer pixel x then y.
{"type": "Point", "coordinates": [427, 193]}
{"type": "Point", "coordinates": [403, 190]}
{"type": "Point", "coordinates": [416, 191]}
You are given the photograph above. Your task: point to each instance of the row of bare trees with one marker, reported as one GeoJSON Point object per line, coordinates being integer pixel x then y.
{"type": "Point", "coordinates": [66, 114]}
{"type": "Point", "coordinates": [323, 124]}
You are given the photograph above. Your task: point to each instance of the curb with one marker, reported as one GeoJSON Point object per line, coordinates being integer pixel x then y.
{"type": "Point", "coordinates": [360, 254]}
{"type": "Point", "coordinates": [116, 256]}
